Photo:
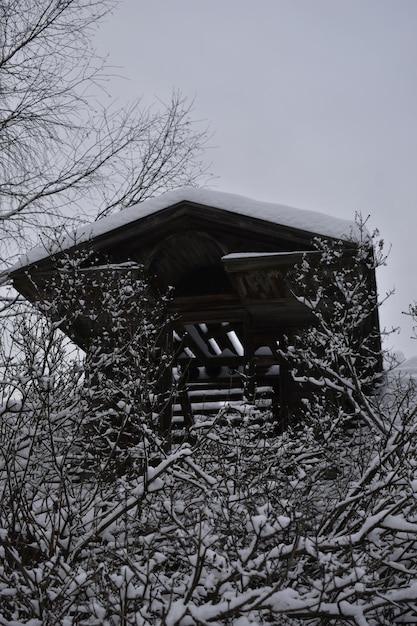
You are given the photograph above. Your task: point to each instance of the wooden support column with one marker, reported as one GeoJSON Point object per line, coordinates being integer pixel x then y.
{"type": "Point", "coordinates": [286, 384]}
{"type": "Point", "coordinates": [250, 367]}
{"type": "Point", "coordinates": [165, 385]}
{"type": "Point", "coordinates": [184, 399]}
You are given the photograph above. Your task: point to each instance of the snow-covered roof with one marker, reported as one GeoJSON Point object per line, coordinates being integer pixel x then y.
{"type": "Point", "coordinates": [309, 221]}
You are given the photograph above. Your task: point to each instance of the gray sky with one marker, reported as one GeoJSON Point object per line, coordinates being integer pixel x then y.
{"type": "Point", "coordinates": [312, 103]}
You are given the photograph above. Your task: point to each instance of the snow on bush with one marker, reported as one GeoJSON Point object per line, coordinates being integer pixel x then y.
{"type": "Point", "coordinates": [102, 521]}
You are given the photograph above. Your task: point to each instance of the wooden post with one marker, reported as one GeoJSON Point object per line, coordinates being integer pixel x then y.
{"type": "Point", "coordinates": [165, 386]}
{"type": "Point", "coordinates": [250, 366]}
{"type": "Point", "coordinates": [285, 388]}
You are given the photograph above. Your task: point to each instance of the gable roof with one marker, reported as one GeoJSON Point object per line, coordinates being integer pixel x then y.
{"type": "Point", "coordinates": [308, 222]}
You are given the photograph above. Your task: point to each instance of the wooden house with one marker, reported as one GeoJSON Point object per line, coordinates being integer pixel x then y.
{"type": "Point", "coordinates": [227, 258]}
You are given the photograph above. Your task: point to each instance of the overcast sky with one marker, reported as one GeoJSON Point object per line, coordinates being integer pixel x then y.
{"type": "Point", "coordinates": [312, 103]}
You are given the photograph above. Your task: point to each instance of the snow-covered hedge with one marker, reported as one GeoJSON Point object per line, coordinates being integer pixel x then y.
{"type": "Point", "coordinates": [238, 524]}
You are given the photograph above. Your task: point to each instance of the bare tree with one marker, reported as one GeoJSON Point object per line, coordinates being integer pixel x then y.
{"type": "Point", "coordinates": [237, 525]}
{"type": "Point", "coordinates": [61, 150]}
{"type": "Point", "coordinates": [242, 525]}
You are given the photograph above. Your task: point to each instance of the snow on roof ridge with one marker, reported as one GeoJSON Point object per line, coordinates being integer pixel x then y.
{"type": "Point", "coordinates": [309, 221]}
